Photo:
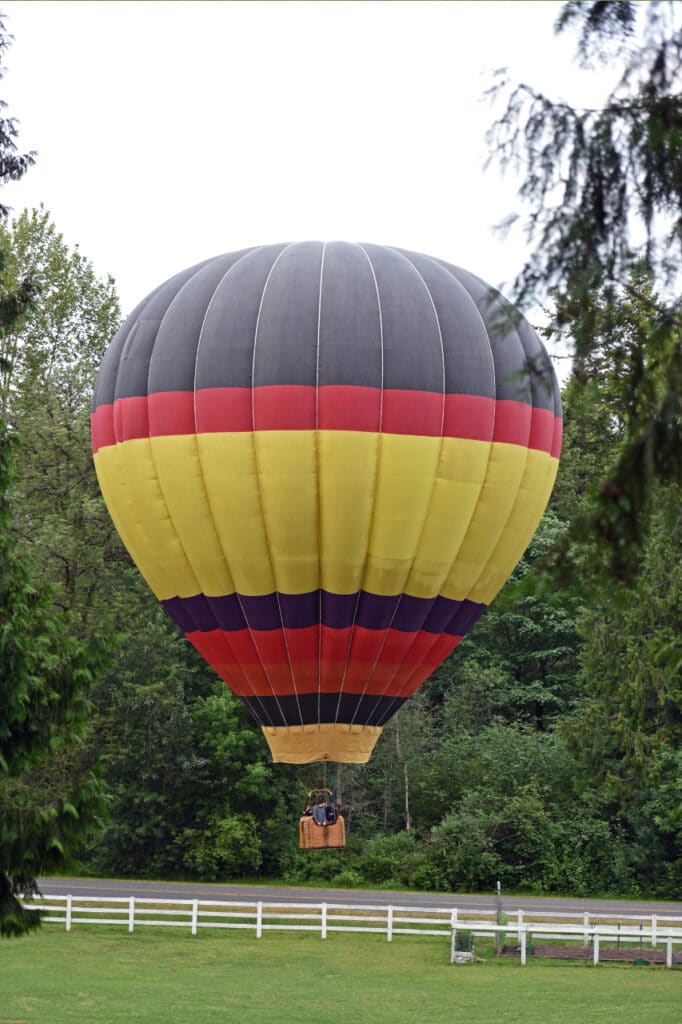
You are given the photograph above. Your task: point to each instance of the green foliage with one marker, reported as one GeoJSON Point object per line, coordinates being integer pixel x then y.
{"type": "Point", "coordinates": [49, 796]}
{"type": "Point", "coordinates": [396, 861]}
{"type": "Point", "coordinates": [227, 847]}
{"type": "Point", "coordinates": [598, 181]}
{"type": "Point", "coordinates": [518, 665]}
{"type": "Point", "coordinates": [317, 867]}
{"type": "Point", "coordinates": [48, 361]}
{"type": "Point", "coordinates": [627, 728]}
{"type": "Point", "coordinates": [13, 165]}
{"type": "Point", "coordinates": [59, 342]}
{"type": "Point", "coordinates": [464, 941]}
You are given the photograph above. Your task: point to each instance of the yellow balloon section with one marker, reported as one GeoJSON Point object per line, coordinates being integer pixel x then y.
{"type": "Point", "coordinates": [325, 459]}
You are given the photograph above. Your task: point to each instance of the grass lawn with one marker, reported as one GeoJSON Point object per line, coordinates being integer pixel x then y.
{"type": "Point", "coordinates": [102, 975]}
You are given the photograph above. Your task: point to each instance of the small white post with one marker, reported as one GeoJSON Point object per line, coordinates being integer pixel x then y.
{"type": "Point", "coordinates": [259, 919]}
{"type": "Point", "coordinates": [389, 924]}
{"type": "Point", "coordinates": [131, 914]}
{"type": "Point", "coordinates": [669, 951]}
{"type": "Point", "coordinates": [195, 915]}
{"type": "Point", "coordinates": [453, 930]}
{"type": "Point", "coordinates": [595, 948]}
{"type": "Point", "coordinates": [654, 930]}
{"type": "Point", "coordinates": [586, 934]}
{"type": "Point", "coordinates": [323, 922]}
{"type": "Point", "coordinates": [522, 936]}
{"type": "Point", "coordinates": [69, 902]}
{"type": "Point", "coordinates": [520, 925]}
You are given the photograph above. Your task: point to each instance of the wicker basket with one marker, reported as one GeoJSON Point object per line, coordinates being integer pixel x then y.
{"type": "Point", "coordinates": [321, 837]}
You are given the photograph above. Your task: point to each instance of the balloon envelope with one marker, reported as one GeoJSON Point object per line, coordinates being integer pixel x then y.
{"type": "Point", "coordinates": [325, 459]}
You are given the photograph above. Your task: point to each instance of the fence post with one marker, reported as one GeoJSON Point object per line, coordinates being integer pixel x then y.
{"type": "Point", "coordinates": [131, 914]}
{"type": "Point", "coordinates": [389, 925]}
{"type": "Point", "coordinates": [195, 915]}
{"type": "Point", "coordinates": [323, 922]}
{"type": "Point", "coordinates": [669, 951]}
{"type": "Point", "coordinates": [519, 915]}
{"type": "Point", "coordinates": [595, 948]}
{"type": "Point", "coordinates": [586, 933]}
{"type": "Point", "coordinates": [259, 919]}
{"type": "Point", "coordinates": [69, 901]}
{"type": "Point", "coordinates": [654, 930]}
{"type": "Point", "coordinates": [453, 929]}
{"type": "Point", "coordinates": [522, 936]}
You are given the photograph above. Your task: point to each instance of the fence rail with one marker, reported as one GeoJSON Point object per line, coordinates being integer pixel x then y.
{"type": "Point", "coordinates": [261, 916]}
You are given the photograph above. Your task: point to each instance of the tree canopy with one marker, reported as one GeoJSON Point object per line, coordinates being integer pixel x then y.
{"type": "Point", "coordinates": [603, 189]}
{"type": "Point", "coordinates": [49, 794]}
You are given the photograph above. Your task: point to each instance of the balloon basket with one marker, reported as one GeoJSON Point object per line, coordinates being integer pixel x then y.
{"type": "Point", "coordinates": [321, 837]}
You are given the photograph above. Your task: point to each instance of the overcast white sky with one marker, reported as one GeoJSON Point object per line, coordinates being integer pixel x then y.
{"type": "Point", "coordinates": [170, 132]}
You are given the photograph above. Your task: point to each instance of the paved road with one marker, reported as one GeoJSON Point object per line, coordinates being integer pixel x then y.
{"type": "Point", "coordinates": [280, 894]}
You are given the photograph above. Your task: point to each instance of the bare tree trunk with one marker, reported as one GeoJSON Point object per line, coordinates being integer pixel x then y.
{"type": "Point", "coordinates": [406, 777]}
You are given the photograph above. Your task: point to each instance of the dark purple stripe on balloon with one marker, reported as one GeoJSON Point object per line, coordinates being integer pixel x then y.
{"type": "Point", "coordinates": [206, 613]}
{"type": "Point", "coordinates": [464, 618]}
{"type": "Point", "coordinates": [311, 708]}
{"type": "Point", "coordinates": [336, 611]}
{"type": "Point", "coordinates": [413, 613]}
{"type": "Point", "coordinates": [300, 610]}
{"type": "Point", "coordinates": [262, 612]}
{"type": "Point", "coordinates": [376, 611]}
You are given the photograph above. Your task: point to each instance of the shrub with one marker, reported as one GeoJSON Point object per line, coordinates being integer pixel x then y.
{"type": "Point", "coordinates": [399, 860]}
{"type": "Point", "coordinates": [226, 848]}
{"type": "Point", "coordinates": [464, 941]}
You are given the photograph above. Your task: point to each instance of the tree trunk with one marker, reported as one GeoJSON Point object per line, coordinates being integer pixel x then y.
{"type": "Point", "coordinates": [406, 777]}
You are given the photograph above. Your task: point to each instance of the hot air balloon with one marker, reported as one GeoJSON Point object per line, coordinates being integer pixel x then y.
{"type": "Point", "coordinates": [325, 460]}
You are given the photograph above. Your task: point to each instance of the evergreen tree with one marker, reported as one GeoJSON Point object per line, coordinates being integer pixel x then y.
{"type": "Point", "coordinates": [604, 187]}
{"type": "Point", "coordinates": [49, 795]}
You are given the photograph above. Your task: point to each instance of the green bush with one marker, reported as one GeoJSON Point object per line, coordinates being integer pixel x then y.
{"type": "Point", "coordinates": [226, 848]}
{"type": "Point", "coordinates": [464, 941]}
{"type": "Point", "coordinates": [400, 860]}
{"type": "Point", "coordinates": [315, 866]}
{"type": "Point", "coordinates": [348, 879]}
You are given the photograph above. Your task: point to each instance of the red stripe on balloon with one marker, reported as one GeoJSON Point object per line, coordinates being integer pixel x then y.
{"type": "Point", "coordinates": [429, 651]}
{"type": "Point", "coordinates": [290, 407]}
{"type": "Point", "coordinates": [469, 416]}
{"type": "Point", "coordinates": [332, 407]}
{"type": "Point", "coordinates": [421, 413]}
{"type": "Point", "coordinates": [541, 430]}
{"type": "Point", "coordinates": [102, 427]}
{"type": "Point", "coordinates": [223, 410]}
{"type": "Point", "coordinates": [171, 417]}
{"type": "Point", "coordinates": [334, 648]}
{"type": "Point", "coordinates": [261, 663]}
{"type": "Point", "coordinates": [131, 418]}
{"type": "Point", "coordinates": [349, 407]}
{"type": "Point", "coordinates": [513, 422]}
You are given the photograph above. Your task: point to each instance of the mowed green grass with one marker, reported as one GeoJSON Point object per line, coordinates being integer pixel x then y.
{"type": "Point", "coordinates": [101, 975]}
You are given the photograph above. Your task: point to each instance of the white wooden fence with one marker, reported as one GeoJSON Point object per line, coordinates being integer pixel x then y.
{"type": "Point", "coordinates": [323, 918]}
{"type": "Point", "coordinates": [630, 935]}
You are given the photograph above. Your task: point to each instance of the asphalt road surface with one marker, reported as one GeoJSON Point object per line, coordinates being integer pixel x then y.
{"type": "Point", "coordinates": [282, 894]}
